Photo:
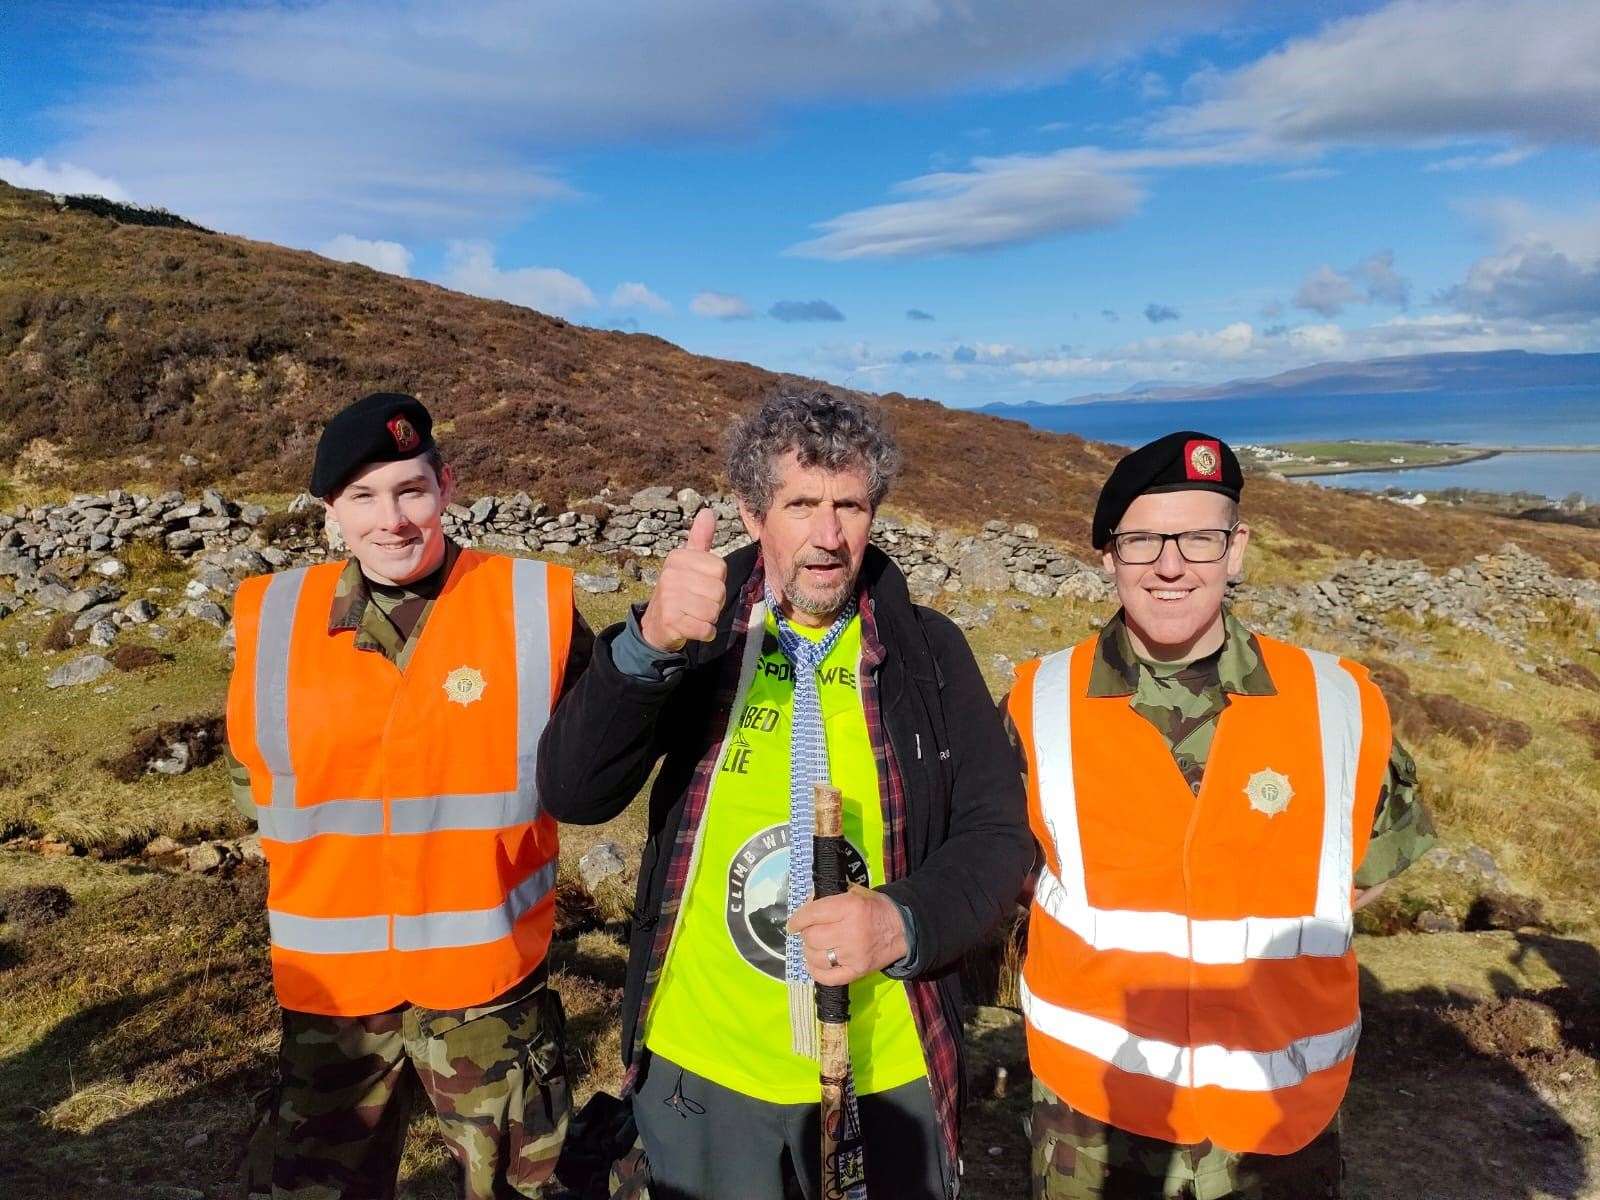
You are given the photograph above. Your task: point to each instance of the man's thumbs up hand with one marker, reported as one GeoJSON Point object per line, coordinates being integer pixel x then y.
{"type": "Point", "coordinates": [702, 530]}
{"type": "Point", "coordinates": [689, 595]}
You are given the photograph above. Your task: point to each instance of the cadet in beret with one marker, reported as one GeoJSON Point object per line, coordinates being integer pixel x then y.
{"type": "Point", "coordinates": [1212, 805]}
{"type": "Point", "coordinates": [383, 719]}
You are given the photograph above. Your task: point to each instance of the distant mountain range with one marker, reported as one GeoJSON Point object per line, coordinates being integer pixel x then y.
{"type": "Point", "coordinates": [1484, 371]}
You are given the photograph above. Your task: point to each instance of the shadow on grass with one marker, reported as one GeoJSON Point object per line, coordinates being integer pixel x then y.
{"type": "Point", "coordinates": [194, 1139]}
{"type": "Point", "coordinates": [1449, 1098]}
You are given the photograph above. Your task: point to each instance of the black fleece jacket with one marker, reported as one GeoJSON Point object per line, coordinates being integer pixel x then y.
{"type": "Point", "coordinates": [968, 841]}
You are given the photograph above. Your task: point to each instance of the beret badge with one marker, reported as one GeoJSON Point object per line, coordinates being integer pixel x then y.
{"type": "Point", "coordinates": [405, 437]}
{"type": "Point", "coordinates": [1203, 460]}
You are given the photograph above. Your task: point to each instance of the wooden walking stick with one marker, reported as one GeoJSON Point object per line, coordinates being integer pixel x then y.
{"type": "Point", "coordinates": [844, 1168]}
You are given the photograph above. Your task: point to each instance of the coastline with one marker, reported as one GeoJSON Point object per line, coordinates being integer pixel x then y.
{"type": "Point", "coordinates": [1487, 452]}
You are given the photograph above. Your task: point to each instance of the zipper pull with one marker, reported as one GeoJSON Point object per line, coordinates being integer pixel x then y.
{"type": "Point", "coordinates": [918, 736]}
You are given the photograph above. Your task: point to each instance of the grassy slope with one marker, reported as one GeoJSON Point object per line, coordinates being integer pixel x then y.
{"type": "Point", "coordinates": [145, 1021]}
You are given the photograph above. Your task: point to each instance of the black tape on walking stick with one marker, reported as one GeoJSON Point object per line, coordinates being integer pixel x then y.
{"type": "Point", "coordinates": [833, 1003]}
{"type": "Point", "coordinates": [827, 866]}
{"type": "Point", "coordinates": [827, 877]}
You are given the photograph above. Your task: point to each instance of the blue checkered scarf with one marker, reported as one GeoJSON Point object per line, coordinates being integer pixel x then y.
{"type": "Point", "coordinates": [808, 766]}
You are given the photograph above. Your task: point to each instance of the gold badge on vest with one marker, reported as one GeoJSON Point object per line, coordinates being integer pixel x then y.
{"type": "Point", "coordinates": [1269, 791]}
{"type": "Point", "coordinates": [464, 685]}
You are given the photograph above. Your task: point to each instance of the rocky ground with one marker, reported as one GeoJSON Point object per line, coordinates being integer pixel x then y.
{"type": "Point", "coordinates": [135, 1014]}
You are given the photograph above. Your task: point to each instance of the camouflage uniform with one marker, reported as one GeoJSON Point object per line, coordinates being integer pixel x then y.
{"type": "Point", "coordinates": [334, 1123]}
{"type": "Point", "coordinates": [1078, 1158]}
{"type": "Point", "coordinates": [495, 1073]}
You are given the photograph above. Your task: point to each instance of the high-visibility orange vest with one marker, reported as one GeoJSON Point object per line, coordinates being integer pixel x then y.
{"type": "Point", "coordinates": [1189, 973]}
{"type": "Point", "coordinates": [408, 857]}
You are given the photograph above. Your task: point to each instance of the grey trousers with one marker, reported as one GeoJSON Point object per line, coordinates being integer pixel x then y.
{"type": "Point", "coordinates": [705, 1142]}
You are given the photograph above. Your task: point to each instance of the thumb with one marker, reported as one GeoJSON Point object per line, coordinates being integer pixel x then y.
{"type": "Point", "coordinates": [703, 530]}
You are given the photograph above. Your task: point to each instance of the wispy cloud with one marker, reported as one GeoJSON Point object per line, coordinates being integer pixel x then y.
{"type": "Point", "coordinates": [999, 201]}
{"type": "Point", "coordinates": [1417, 72]}
{"type": "Point", "coordinates": [1483, 162]}
{"type": "Point", "coordinates": [636, 295]}
{"type": "Point", "coordinates": [1308, 174]}
{"type": "Point", "coordinates": [1157, 313]}
{"type": "Point", "coordinates": [917, 314]}
{"type": "Point", "coordinates": [721, 305]}
{"type": "Point", "coordinates": [297, 119]}
{"type": "Point", "coordinates": [1414, 71]}
{"type": "Point", "coordinates": [470, 267]}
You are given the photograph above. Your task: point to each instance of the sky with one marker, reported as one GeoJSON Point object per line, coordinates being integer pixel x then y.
{"type": "Point", "coordinates": [972, 200]}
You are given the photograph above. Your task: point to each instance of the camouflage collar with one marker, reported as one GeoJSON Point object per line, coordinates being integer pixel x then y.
{"type": "Point", "coordinates": [351, 594]}
{"type": "Point", "coordinates": [1240, 667]}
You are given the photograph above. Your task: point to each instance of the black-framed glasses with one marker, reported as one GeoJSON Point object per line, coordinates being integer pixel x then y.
{"type": "Point", "coordinates": [1138, 548]}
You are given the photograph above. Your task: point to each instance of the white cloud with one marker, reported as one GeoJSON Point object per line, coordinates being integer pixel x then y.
{"type": "Point", "coordinates": [1545, 268]}
{"type": "Point", "coordinates": [636, 295]}
{"type": "Point", "coordinates": [297, 119]}
{"type": "Point", "coordinates": [380, 256]}
{"type": "Point", "coordinates": [1372, 280]}
{"type": "Point", "coordinates": [1326, 291]}
{"type": "Point", "coordinates": [999, 201]}
{"type": "Point", "coordinates": [720, 305]}
{"type": "Point", "coordinates": [1382, 282]}
{"type": "Point", "coordinates": [1532, 280]}
{"type": "Point", "coordinates": [1416, 70]}
{"type": "Point", "coordinates": [63, 178]}
{"type": "Point", "coordinates": [470, 267]}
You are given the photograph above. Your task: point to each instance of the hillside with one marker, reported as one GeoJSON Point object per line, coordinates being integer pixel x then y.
{"type": "Point", "coordinates": [124, 346]}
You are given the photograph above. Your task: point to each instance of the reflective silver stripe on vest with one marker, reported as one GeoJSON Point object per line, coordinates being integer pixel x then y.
{"type": "Point", "coordinates": [434, 931]}
{"type": "Point", "coordinates": [485, 810]}
{"type": "Point", "coordinates": [1324, 933]}
{"type": "Point", "coordinates": [1052, 748]}
{"type": "Point", "coordinates": [1211, 942]}
{"type": "Point", "coordinates": [1186, 1066]}
{"type": "Point", "coordinates": [278, 604]}
{"type": "Point", "coordinates": [530, 604]}
{"type": "Point", "coordinates": [328, 935]}
{"type": "Point", "coordinates": [1339, 715]}
{"type": "Point", "coordinates": [359, 818]}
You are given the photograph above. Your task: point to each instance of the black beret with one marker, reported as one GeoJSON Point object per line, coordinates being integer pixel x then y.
{"type": "Point", "coordinates": [1179, 462]}
{"type": "Point", "coordinates": [382, 427]}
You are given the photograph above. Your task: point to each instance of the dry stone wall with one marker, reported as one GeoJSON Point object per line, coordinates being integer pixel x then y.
{"type": "Point", "coordinates": [64, 560]}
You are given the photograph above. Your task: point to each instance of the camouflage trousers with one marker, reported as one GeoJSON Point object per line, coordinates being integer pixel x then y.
{"type": "Point", "coordinates": [1078, 1158]}
{"type": "Point", "coordinates": [495, 1074]}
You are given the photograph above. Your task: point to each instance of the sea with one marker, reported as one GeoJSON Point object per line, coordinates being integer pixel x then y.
{"type": "Point", "coordinates": [1559, 416]}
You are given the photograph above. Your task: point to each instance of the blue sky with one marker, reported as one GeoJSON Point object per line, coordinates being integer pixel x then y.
{"type": "Point", "coordinates": [1075, 199]}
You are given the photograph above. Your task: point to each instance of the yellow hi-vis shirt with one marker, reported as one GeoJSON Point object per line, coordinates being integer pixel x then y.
{"type": "Point", "coordinates": [722, 1008]}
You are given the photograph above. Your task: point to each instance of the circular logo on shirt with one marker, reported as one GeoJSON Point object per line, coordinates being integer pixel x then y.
{"type": "Point", "coordinates": [758, 896]}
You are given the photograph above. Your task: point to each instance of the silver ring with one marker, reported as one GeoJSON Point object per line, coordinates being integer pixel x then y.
{"type": "Point", "coordinates": [833, 959]}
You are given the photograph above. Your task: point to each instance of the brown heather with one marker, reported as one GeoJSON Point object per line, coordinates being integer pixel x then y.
{"type": "Point", "coordinates": [123, 346]}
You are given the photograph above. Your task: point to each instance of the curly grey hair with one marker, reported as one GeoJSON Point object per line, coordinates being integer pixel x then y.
{"type": "Point", "coordinates": [825, 430]}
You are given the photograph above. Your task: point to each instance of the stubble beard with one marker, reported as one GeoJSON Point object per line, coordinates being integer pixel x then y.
{"type": "Point", "coordinates": [815, 604]}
